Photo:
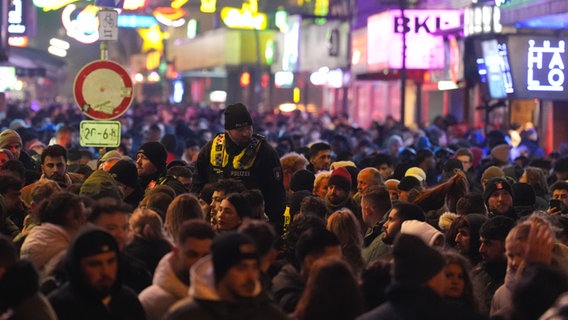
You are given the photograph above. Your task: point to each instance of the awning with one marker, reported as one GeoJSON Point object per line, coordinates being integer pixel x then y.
{"type": "Point", "coordinates": [32, 62]}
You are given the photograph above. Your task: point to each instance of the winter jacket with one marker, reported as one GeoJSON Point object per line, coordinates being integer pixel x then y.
{"type": "Point", "coordinates": [149, 252]}
{"type": "Point", "coordinates": [20, 298]}
{"type": "Point", "coordinates": [165, 291]}
{"type": "Point", "coordinates": [43, 243]}
{"type": "Point", "coordinates": [287, 288]}
{"type": "Point", "coordinates": [207, 305]}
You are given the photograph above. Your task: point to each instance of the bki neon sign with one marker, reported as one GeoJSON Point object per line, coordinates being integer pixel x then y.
{"type": "Point", "coordinates": [549, 59]}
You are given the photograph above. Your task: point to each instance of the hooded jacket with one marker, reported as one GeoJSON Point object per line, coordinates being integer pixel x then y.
{"type": "Point", "coordinates": [20, 296]}
{"type": "Point", "coordinates": [76, 300]}
{"type": "Point", "coordinates": [165, 291]}
{"type": "Point", "coordinates": [206, 303]}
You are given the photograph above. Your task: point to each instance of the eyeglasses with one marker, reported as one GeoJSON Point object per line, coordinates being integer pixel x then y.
{"type": "Point", "coordinates": [560, 196]}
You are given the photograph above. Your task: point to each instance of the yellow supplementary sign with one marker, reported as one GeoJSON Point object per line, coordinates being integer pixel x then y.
{"type": "Point", "coordinates": [99, 133]}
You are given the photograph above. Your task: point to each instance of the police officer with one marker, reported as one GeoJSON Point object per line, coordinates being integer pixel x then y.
{"type": "Point", "coordinates": [241, 154]}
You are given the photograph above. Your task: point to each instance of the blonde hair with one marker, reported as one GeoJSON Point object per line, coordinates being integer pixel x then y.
{"type": "Point", "coordinates": [184, 207]}
{"type": "Point", "coordinates": [292, 162]}
{"type": "Point", "coordinates": [146, 223]}
{"type": "Point", "coordinates": [347, 228]}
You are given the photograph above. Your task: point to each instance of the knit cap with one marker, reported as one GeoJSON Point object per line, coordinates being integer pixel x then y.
{"type": "Point", "coordinates": [416, 173]}
{"type": "Point", "coordinates": [93, 241]}
{"type": "Point", "coordinates": [156, 153]}
{"type": "Point", "coordinates": [430, 235]}
{"type": "Point", "coordinates": [100, 184]}
{"type": "Point", "coordinates": [8, 137]}
{"type": "Point", "coordinates": [408, 183]}
{"type": "Point", "coordinates": [492, 172]}
{"type": "Point", "coordinates": [340, 178]}
{"type": "Point", "coordinates": [237, 116]}
{"type": "Point", "coordinates": [496, 184]}
{"type": "Point", "coordinates": [302, 180]}
{"type": "Point", "coordinates": [228, 249]}
{"type": "Point", "coordinates": [414, 261]}
{"type": "Point", "coordinates": [124, 171]}
{"type": "Point", "coordinates": [501, 152]}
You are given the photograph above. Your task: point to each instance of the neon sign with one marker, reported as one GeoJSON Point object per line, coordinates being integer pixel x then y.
{"type": "Point", "coordinates": [170, 17]}
{"type": "Point", "coordinates": [247, 17]}
{"type": "Point", "coordinates": [554, 69]}
{"type": "Point", "coordinates": [16, 25]}
{"type": "Point", "coordinates": [425, 50]}
{"type": "Point", "coordinates": [48, 5]}
{"type": "Point", "coordinates": [208, 6]}
{"type": "Point", "coordinates": [84, 26]}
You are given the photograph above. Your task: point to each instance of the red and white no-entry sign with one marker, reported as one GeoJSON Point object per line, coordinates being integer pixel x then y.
{"type": "Point", "coordinates": [103, 90]}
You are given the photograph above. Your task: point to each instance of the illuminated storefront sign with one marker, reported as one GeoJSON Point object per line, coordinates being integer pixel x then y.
{"type": "Point", "coordinates": [482, 19]}
{"type": "Point", "coordinates": [538, 67]}
{"type": "Point", "coordinates": [17, 18]}
{"type": "Point", "coordinates": [136, 21]}
{"type": "Point", "coordinates": [170, 17]}
{"type": "Point", "coordinates": [134, 4]}
{"type": "Point", "coordinates": [425, 50]}
{"type": "Point", "coordinates": [208, 6]}
{"type": "Point", "coordinates": [48, 5]}
{"type": "Point", "coordinates": [291, 44]}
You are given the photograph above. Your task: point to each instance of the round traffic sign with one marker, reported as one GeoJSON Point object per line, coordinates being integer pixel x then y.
{"type": "Point", "coordinates": [103, 90]}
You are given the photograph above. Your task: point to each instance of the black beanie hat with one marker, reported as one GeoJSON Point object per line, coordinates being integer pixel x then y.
{"type": "Point", "coordinates": [228, 249]}
{"type": "Point", "coordinates": [92, 241]}
{"type": "Point", "coordinates": [340, 178]}
{"type": "Point", "coordinates": [302, 180]}
{"type": "Point", "coordinates": [124, 171]}
{"type": "Point", "coordinates": [523, 194]}
{"type": "Point", "coordinates": [407, 183]}
{"type": "Point", "coordinates": [156, 153]}
{"type": "Point", "coordinates": [414, 261]}
{"type": "Point", "coordinates": [495, 184]}
{"type": "Point", "coordinates": [237, 116]}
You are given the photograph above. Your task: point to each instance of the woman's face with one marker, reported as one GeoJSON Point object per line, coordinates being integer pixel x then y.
{"type": "Point", "coordinates": [455, 283]}
{"type": "Point", "coordinates": [227, 217]}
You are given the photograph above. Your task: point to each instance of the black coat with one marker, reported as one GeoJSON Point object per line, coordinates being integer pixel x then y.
{"type": "Point", "coordinates": [409, 302]}
{"type": "Point", "coordinates": [265, 175]}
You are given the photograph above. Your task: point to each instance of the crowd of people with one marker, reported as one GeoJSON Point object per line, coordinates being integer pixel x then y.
{"type": "Point", "coordinates": [228, 214]}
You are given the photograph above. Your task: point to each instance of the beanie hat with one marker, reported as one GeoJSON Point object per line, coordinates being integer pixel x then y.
{"type": "Point", "coordinates": [392, 184]}
{"type": "Point", "coordinates": [8, 137]}
{"type": "Point", "coordinates": [416, 173]}
{"type": "Point", "coordinates": [523, 195]}
{"type": "Point", "coordinates": [156, 153]}
{"type": "Point", "coordinates": [237, 116]}
{"type": "Point", "coordinates": [100, 184]}
{"type": "Point", "coordinates": [228, 249]}
{"type": "Point", "coordinates": [302, 180]}
{"type": "Point", "coordinates": [92, 241]}
{"type": "Point", "coordinates": [492, 172]}
{"type": "Point", "coordinates": [124, 171]}
{"type": "Point", "coordinates": [496, 184]}
{"type": "Point", "coordinates": [414, 261]}
{"type": "Point", "coordinates": [340, 178]}
{"type": "Point", "coordinates": [345, 163]}
{"type": "Point", "coordinates": [501, 152]}
{"type": "Point", "coordinates": [407, 183]}
{"type": "Point", "coordinates": [422, 230]}
{"type": "Point", "coordinates": [110, 155]}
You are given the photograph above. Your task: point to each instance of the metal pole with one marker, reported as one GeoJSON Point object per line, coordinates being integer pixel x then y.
{"type": "Point", "coordinates": [104, 50]}
{"type": "Point", "coordinates": [403, 67]}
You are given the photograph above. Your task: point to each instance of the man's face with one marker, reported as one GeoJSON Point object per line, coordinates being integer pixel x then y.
{"type": "Point", "coordinates": [385, 170]}
{"type": "Point", "coordinates": [13, 200]}
{"type": "Point", "coordinates": [144, 166]}
{"type": "Point", "coordinates": [241, 280]}
{"type": "Point", "coordinates": [321, 160]}
{"type": "Point", "coordinates": [500, 202]}
{"type": "Point", "coordinates": [562, 195]}
{"type": "Point", "coordinates": [466, 162]}
{"type": "Point", "coordinates": [54, 168]}
{"type": "Point", "coordinates": [515, 250]}
{"type": "Point", "coordinates": [392, 226]}
{"type": "Point", "coordinates": [100, 271]}
{"type": "Point", "coordinates": [492, 250]}
{"type": "Point", "coordinates": [15, 149]}
{"type": "Point", "coordinates": [365, 179]}
{"type": "Point", "coordinates": [188, 253]}
{"type": "Point", "coordinates": [116, 224]}
{"type": "Point", "coordinates": [216, 199]}
{"type": "Point", "coordinates": [463, 240]}
{"type": "Point", "coordinates": [335, 194]}
{"type": "Point", "coordinates": [227, 216]}
{"type": "Point", "coordinates": [241, 136]}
